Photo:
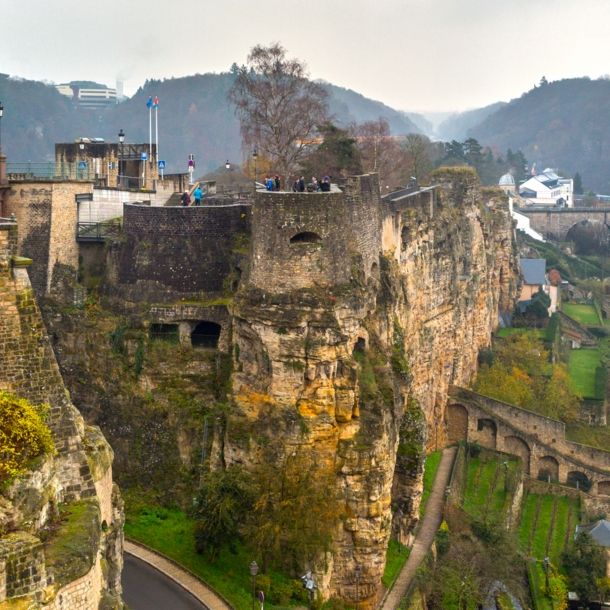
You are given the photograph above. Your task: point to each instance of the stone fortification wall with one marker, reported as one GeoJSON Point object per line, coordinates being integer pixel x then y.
{"type": "Point", "coordinates": [81, 467]}
{"type": "Point", "coordinates": [171, 253]}
{"type": "Point", "coordinates": [47, 215]}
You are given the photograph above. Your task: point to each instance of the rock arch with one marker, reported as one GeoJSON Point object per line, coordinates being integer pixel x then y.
{"type": "Point", "coordinates": [457, 423]}
{"type": "Point", "coordinates": [548, 466]}
{"type": "Point", "coordinates": [517, 446]}
{"type": "Point", "coordinates": [488, 432]}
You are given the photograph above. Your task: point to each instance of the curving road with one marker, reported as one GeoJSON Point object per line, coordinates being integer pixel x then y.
{"type": "Point", "coordinates": [145, 588]}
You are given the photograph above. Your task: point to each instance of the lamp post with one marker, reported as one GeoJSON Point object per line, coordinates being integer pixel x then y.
{"type": "Point", "coordinates": [255, 157]}
{"type": "Point", "coordinates": [1, 113]}
{"type": "Point", "coordinates": [547, 565]}
{"type": "Point", "coordinates": [310, 585]}
{"type": "Point", "coordinates": [121, 140]}
{"type": "Point", "coordinates": [254, 572]}
{"type": "Point", "coordinates": [227, 165]}
{"type": "Point", "coordinates": [358, 573]}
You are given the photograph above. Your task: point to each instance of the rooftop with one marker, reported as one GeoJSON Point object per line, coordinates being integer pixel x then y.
{"type": "Point", "coordinates": [533, 270]}
{"type": "Point", "coordinates": [599, 530]}
{"type": "Point", "coordinates": [507, 180]}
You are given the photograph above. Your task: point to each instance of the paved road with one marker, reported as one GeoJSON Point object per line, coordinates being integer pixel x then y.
{"type": "Point", "coordinates": [426, 532]}
{"type": "Point", "coordinates": [144, 588]}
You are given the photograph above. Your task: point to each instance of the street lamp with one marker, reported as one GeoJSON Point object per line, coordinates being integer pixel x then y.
{"type": "Point", "coordinates": [547, 565]}
{"type": "Point", "coordinates": [358, 573]}
{"type": "Point", "coordinates": [254, 572]}
{"type": "Point", "coordinates": [227, 165]}
{"type": "Point", "coordinates": [121, 140]}
{"type": "Point", "coordinates": [255, 157]}
{"type": "Point", "coordinates": [310, 585]}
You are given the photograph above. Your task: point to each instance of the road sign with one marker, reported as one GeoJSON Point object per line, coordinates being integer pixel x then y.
{"type": "Point", "coordinates": [161, 164]}
{"type": "Point", "coordinates": [82, 165]}
{"type": "Point", "coordinates": [191, 163]}
{"type": "Point", "coordinates": [144, 156]}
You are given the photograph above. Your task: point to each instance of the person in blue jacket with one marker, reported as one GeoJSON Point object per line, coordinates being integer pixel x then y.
{"type": "Point", "coordinates": [198, 194]}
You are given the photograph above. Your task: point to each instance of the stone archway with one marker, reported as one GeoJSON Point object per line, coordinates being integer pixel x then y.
{"type": "Point", "coordinates": [579, 480]}
{"type": "Point", "coordinates": [517, 446]}
{"type": "Point", "coordinates": [457, 423]}
{"type": "Point", "coordinates": [548, 466]}
{"type": "Point", "coordinates": [488, 431]}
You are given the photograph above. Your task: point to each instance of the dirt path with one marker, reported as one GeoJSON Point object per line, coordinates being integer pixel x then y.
{"type": "Point", "coordinates": [433, 517]}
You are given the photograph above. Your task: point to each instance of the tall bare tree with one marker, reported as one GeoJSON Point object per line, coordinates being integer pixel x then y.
{"type": "Point", "coordinates": [418, 152]}
{"type": "Point", "coordinates": [278, 107]}
{"type": "Point", "coordinates": [378, 150]}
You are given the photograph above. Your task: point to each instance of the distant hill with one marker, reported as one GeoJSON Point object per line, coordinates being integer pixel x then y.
{"type": "Point", "coordinates": [351, 107]}
{"type": "Point", "coordinates": [194, 118]}
{"type": "Point", "coordinates": [425, 126]}
{"type": "Point", "coordinates": [456, 126]}
{"type": "Point", "coordinates": [564, 124]}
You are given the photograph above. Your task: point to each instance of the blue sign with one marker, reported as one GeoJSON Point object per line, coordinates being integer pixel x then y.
{"type": "Point", "coordinates": [161, 164]}
{"type": "Point", "coordinates": [82, 165]}
{"type": "Point", "coordinates": [144, 156]}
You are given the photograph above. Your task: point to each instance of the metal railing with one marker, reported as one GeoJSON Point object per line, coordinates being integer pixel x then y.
{"type": "Point", "coordinates": [97, 231]}
{"type": "Point", "coordinates": [50, 170]}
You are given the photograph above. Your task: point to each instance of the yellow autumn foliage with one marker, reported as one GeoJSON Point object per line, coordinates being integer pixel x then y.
{"type": "Point", "coordinates": [23, 435]}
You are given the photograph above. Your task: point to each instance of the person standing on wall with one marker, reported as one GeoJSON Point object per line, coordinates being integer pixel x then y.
{"type": "Point", "coordinates": [198, 194]}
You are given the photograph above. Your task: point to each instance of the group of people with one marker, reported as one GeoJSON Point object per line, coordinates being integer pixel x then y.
{"type": "Point", "coordinates": [323, 185]}
{"type": "Point", "coordinates": [197, 195]}
{"type": "Point", "coordinates": [273, 184]}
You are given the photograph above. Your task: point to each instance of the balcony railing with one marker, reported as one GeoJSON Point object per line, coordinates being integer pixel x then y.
{"type": "Point", "coordinates": [97, 231]}
{"type": "Point", "coordinates": [50, 171]}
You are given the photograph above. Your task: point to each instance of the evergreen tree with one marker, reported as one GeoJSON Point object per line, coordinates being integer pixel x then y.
{"type": "Point", "coordinates": [578, 190]}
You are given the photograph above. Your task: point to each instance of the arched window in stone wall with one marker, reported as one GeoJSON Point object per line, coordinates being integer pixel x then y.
{"type": "Point", "coordinates": [206, 335]}
{"type": "Point", "coordinates": [487, 432]}
{"type": "Point", "coordinates": [306, 237]}
{"type": "Point", "coordinates": [548, 466]}
{"type": "Point", "coordinates": [457, 423]}
{"type": "Point", "coordinates": [579, 480]}
{"type": "Point", "coordinates": [517, 446]}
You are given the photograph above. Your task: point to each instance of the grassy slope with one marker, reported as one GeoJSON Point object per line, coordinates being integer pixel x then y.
{"type": "Point", "coordinates": [432, 462]}
{"type": "Point", "coordinates": [583, 363]}
{"type": "Point", "coordinates": [585, 314]}
{"type": "Point", "coordinates": [395, 559]}
{"type": "Point", "coordinates": [598, 436]}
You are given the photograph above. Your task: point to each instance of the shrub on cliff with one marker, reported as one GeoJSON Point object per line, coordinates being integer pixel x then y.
{"type": "Point", "coordinates": [23, 435]}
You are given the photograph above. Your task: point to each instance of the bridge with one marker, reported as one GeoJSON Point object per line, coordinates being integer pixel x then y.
{"type": "Point", "coordinates": [97, 231]}
{"type": "Point", "coordinates": [554, 223]}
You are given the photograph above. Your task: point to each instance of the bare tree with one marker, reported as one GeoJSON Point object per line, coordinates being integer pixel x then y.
{"type": "Point", "coordinates": [278, 107]}
{"type": "Point", "coordinates": [378, 150]}
{"type": "Point", "coordinates": [418, 152]}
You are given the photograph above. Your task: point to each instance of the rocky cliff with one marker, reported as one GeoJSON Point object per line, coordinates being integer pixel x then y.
{"type": "Point", "coordinates": [61, 521]}
{"type": "Point", "coordinates": [357, 372]}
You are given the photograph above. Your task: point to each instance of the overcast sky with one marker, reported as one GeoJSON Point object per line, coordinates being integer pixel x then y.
{"type": "Point", "coordinates": [418, 55]}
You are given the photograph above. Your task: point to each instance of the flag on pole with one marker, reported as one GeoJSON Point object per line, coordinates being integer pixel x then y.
{"type": "Point", "coordinates": [156, 102]}
{"type": "Point", "coordinates": [149, 103]}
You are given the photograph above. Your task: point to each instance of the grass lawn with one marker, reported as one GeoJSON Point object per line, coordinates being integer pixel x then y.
{"type": "Point", "coordinates": [172, 535]}
{"type": "Point", "coordinates": [536, 576]}
{"type": "Point", "coordinates": [506, 332]}
{"type": "Point", "coordinates": [432, 461]}
{"type": "Point", "coordinates": [545, 519]}
{"type": "Point", "coordinates": [583, 363]}
{"type": "Point", "coordinates": [560, 528]}
{"type": "Point", "coordinates": [594, 436]}
{"type": "Point", "coordinates": [585, 314]}
{"type": "Point", "coordinates": [394, 560]}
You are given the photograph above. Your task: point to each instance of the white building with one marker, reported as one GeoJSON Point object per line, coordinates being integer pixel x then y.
{"type": "Point", "coordinates": [89, 98]}
{"type": "Point", "coordinates": [548, 189]}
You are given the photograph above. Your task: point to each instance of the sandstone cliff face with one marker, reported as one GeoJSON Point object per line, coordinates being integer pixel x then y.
{"type": "Point", "coordinates": [341, 369]}
{"type": "Point", "coordinates": [65, 571]}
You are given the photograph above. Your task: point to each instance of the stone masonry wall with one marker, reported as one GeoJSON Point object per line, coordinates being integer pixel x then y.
{"type": "Point", "coordinates": [47, 215]}
{"type": "Point", "coordinates": [171, 253]}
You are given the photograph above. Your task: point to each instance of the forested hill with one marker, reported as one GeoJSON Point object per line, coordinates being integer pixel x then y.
{"type": "Point", "coordinates": [563, 124]}
{"type": "Point", "coordinates": [194, 117]}
{"type": "Point", "coordinates": [456, 126]}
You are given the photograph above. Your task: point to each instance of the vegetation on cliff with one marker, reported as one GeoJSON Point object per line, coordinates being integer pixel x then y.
{"type": "Point", "coordinates": [24, 435]}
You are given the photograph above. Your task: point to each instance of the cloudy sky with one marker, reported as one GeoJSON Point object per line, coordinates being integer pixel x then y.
{"type": "Point", "coordinates": [419, 55]}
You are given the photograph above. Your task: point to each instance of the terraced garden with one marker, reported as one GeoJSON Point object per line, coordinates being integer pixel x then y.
{"type": "Point", "coordinates": [546, 524]}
